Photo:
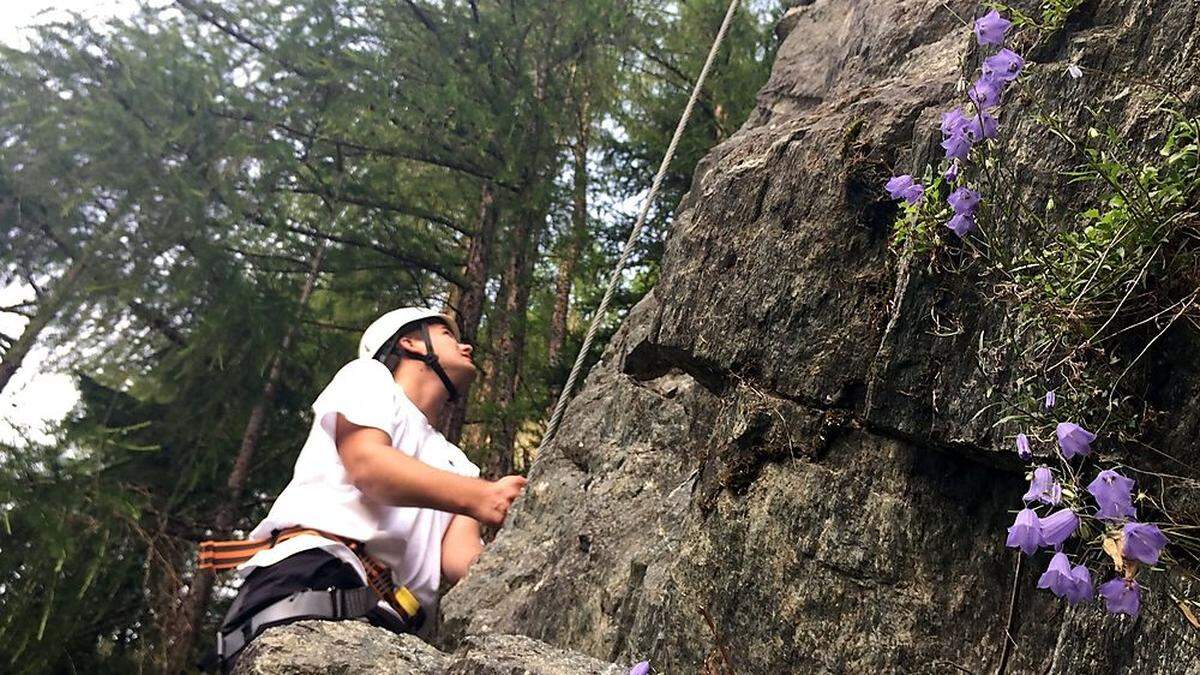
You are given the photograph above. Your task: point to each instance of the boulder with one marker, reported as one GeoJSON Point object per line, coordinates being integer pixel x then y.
{"type": "Point", "coordinates": [350, 647]}
{"type": "Point", "coordinates": [782, 463]}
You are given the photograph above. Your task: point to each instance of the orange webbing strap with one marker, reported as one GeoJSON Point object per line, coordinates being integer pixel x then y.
{"type": "Point", "coordinates": [226, 555]}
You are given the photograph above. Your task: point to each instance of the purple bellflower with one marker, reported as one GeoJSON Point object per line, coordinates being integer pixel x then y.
{"type": "Point", "coordinates": [1004, 64]}
{"type": "Point", "coordinates": [898, 184]}
{"type": "Point", "coordinates": [1050, 399]}
{"type": "Point", "coordinates": [1057, 577]}
{"type": "Point", "coordinates": [961, 224]}
{"type": "Point", "coordinates": [1074, 439]}
{"type": "Point", "coordinates": [1023, 449]}
{"type": "Point", "coordinates": [981, 126]}
{"type": "Point", "coordinates": [991, 28]}
{"type": "Point", "coordinates": [1058, 527]}
{"type": "Point", "coordinates": [913, 194]}
{"type": "Point", "coordinates": [957, 147]}
{"type": "Point", "coordinates": [953, 122]}
{"type": "Point", "coordinates": [1121, 596]}
{"type": "Point", "coordinates": [906, 188]}
{"type": "Point", "coordinates": [1072, 583]}
{"type": "Point", "coordinates": [1111, 486]}
{"type": "Point", "coordinates": [1025, 532]}
{"type": "Point", "coordinates": [951, 174]}
{"type": "Point", "coordinates": [1082, 589]}
{"type": "Point", "coordinates": [640, 669]}
{"type": "Point", "coordinates": [1116, 511]}
{"type": "Point", "coordinates": [1114, 494]}
{"type": "Point", "coordinates": [1043, 488]}
{"type": "Point", "coordinates": [963, 200]}
{"type": "Point", "coordinates": [1143, 542]}
{"type": "Point", "coordinates": [985, 92]}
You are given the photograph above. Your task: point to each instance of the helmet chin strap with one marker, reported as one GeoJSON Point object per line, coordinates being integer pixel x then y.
{"type": "Point", "coordinates": [391, 352]}
{"type": "Point", "coordinates": [429, 358]}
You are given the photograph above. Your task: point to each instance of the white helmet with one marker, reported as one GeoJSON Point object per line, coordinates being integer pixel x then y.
{"type": "Point", "coordinates": [386, 326]}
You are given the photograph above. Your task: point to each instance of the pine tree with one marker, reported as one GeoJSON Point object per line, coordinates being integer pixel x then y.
{"type": "Point", "coordinates": [186, 165]}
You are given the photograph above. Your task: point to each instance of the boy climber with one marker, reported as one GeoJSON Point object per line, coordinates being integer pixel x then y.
{"type": "Point", "coordinates": [381, 507]}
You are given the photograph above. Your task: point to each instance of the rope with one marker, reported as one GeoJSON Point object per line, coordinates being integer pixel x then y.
{"type": "Point", "coordinates": [634, 234]}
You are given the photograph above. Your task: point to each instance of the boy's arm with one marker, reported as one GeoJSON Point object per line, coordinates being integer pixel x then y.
{"type": "Point", "coordinates": [394, 478]}
{"type": "Point", "coordinates": [461, 545]}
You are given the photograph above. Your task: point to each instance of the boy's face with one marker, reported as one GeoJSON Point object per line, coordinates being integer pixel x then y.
{"type": "Point", "coordinates": [454, 356]}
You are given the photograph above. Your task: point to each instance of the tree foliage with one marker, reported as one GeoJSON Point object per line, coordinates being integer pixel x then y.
{"type": "Point", "coordinates": [168, 181]}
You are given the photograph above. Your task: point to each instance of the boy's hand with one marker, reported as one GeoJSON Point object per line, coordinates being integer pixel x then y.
{"type": "Point", "coordinates": [495, 498]}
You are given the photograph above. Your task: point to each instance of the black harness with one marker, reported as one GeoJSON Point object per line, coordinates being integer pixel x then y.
{"type": "Point", "coordinates": [390, 354]}
{"type": "Point", "coordinates": [312, 584]}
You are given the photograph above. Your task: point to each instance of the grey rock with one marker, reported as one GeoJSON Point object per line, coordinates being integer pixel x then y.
{"type": "Point", "coordinates": [778, 462]}
{"type": "Point", "coordinates": [350, 647]}
{"type": "Point", "coordinates": [520, 655]}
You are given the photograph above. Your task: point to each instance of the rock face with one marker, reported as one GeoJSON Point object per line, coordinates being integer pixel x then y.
{"type": "Point", "coordinates": [352, 647]}
{"type": "Point", "coordinates": [312, 647]}
{"type": "Point", "coordinates": [779, 465]}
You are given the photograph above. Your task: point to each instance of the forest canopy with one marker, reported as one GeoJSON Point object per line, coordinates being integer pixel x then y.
{"type": "Point", "coordinates": [208, 201]}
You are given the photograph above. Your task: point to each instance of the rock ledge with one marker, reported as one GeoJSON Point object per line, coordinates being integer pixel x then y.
{"type": "Point", "coordinates": [353, 647]}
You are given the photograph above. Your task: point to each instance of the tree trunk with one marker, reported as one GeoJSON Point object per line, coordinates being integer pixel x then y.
{"type": "Point", "coordinates": [48, 308]}
{"type": "Point", "coordinates": [574, 244]}
{"type": "Point", "coordinates": [467, 301]}
{"type": "Point", "coordinates": [196, 602]}
{"type": "Point", "coordinates": [518, 278]}
{"type": "Point", "coordinates": [510, 341]}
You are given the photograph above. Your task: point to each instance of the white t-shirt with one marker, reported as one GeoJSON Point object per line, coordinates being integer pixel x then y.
{"type": "Point", "coordinates": [406, 539]}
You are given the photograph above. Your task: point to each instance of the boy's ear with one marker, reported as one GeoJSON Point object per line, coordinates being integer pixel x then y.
{"type": "Point", "coordinates": [412, 344]}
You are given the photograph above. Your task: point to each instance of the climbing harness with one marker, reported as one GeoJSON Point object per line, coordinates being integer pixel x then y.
{"type": "Point", "coordinates": [335, 604]}
{"type": "Point", "coordinates": [634, 234]}
{"type": "Point", "coordinates": [226, 555]}
{"type": "Point", "coordinates": [311, 604]}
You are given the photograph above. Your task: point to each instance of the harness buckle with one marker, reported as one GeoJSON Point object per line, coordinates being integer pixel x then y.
{"type": "Point", "coordinates": [338, 599]}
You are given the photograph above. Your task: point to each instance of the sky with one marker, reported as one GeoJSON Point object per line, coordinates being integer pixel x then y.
{"type": "Point", "coordinates": [19, 14]}
{"type": "Point", "coordinates": [39, 394]}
